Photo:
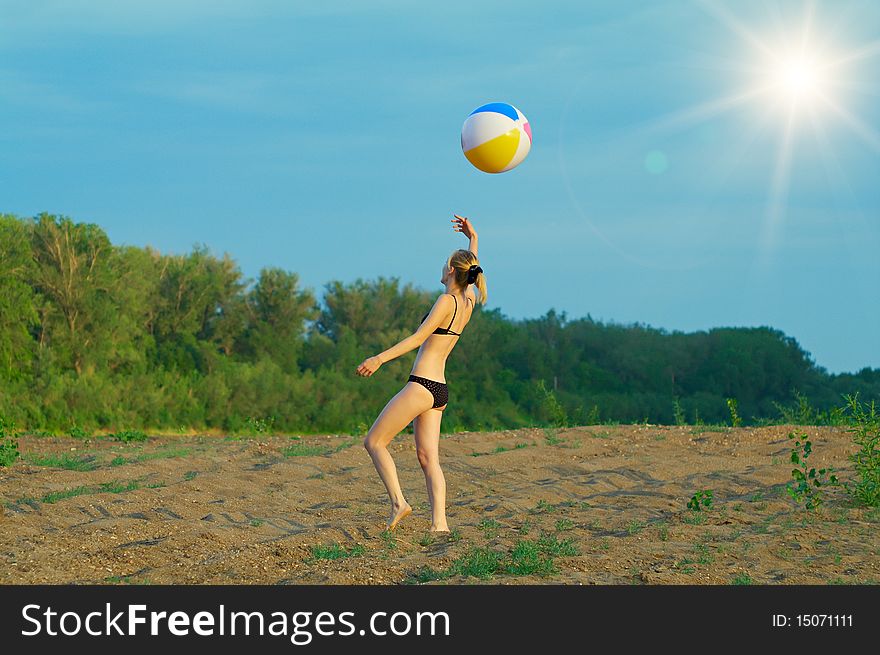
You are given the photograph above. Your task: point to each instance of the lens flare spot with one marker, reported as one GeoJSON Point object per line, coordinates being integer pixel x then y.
{"type": "Point", "coordinates": [656, 162]}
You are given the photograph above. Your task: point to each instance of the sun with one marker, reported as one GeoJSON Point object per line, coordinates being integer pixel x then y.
{"type": "Point", "coordinates": [798, 77]}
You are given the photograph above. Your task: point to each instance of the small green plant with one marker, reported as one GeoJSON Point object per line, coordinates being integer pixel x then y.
{"type": "Point", "coordinates": [701, 500]}
{"type": "Point", "coordinates": [79, 432]}
{"type": "Point", "coordinates": [735, 420]}
{"type": "Point", "coordinates": [389, 541]}
{"type": "Point", "coordinates": [426, 540]}
{"type": "Point", "coordinates": [593, 416]}
{"type": "Point", "coordinates": [63, 461]}
{"type": "Point", "coordinates": [634, 527]}
{"type": "Point", "coordinates": [490, 527]}
{"type": "Point", "coordinates": [302, 450]}
{"type": "Point", "coordinates": [805, 414]}
{"type": "Point", "coordinates": [335, 551]}
{"type": "Point", "coordinates": [678, 412]}
{"type": "Point", "coordinates": [864, 423]}
{"type": "Point", "coordinates": [8, 444]}
{"type": "Point", "coordinates": [258, 425]}
{"type": "Point", "coordinates": [742, 579]}
{"type": "Point", "coordinates": [542, 507]}
{"type": "Point", "coordinates": [479, 562]}
{"type": "Point", "coordinates": [348, 443]}
{"type": "Point", "coordinates": [807, 483]}
{"type": "Point", "coordinates": [552, 437]}
{"type": "Point", "coordinates": [663, 531]}
{"type": "Point", "coordinates": [564, 524]}
{"type": "Point", "coordinates": [190, 475]}
{"type": "Point", "coordinates": [127, 436]}
{"type": "Point", "coordinates": [552, 406]}
{"type": "Point", "coordinates": [256, 522]}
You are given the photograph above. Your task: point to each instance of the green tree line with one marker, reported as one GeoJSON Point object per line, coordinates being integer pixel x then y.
{"type": "Point", "coordinates": [112, 337]}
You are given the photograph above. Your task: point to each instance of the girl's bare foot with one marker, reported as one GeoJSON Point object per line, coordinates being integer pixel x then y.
{"type": "Point", "coordinates": [397, 514]}
{"type": "Point", "coordinates": [440, 529]}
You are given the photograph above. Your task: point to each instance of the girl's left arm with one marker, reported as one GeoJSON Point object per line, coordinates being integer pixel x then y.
{"type": "Point", "coordinates": [442, 308]}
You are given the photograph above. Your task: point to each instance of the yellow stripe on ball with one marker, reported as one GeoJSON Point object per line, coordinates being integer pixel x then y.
{"type": "Point", "coordinates": [493, 155]}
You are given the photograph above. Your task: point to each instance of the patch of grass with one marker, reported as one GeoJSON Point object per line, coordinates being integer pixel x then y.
{"type": "Point", "coordinates": [388, 539]}
{"type": "Point", "coordinates": [347, 444]}
{"type": "Point", "coordinates": [316, 476]}
{"type": "Point", "coordinates": [552, 437]}
{"type": "Point", "coordinates": [705, 556]}
{"type": "Point", "coordinates": [634, 527]}
{"type": "Point", "coordinates": [302, 450]}
{"type": "Point", "coordinates": [604, 544]}
{"type": "Point", "coordinates": [542, 507]}
{"type": "Point", "coordinates": [127, 436]}
{"type": "Point", "coordinates": [125, 579]}
{"type": "Point", "coordinates": [525, 527]}
{"type": "Point", "coordinates": [550, 545]}
{"type": "Point", "coordinates": [527, 558]}
{"type": "Point", "coordinates": [190, 475]}
{"type": "Point", "coordinates": [693, 518]}
{"type": "Point", "coordinates": [564, 524]}
{"type": "Point", "coordinates": [257, 522]}
{"type": "Point", "coordinates": [700, 429]}
{"type": "Point", "coordinates": [79, 432]}
{"type": "Point", "coordinates": [490, 527]}
{"type": "Point", "coordinates": [165, 453]}
{"type": "Point", "coordinates": [55, 496]}
{"type": "Point", "coordinates": [663, 531]}
{"type": "Point", "coordinates": [114, 487]}
{"type": "Point", "coordinates": [335, 551]}
{"type": "Point", "coordinates": [426, 540]}
{"type": "Point", "coordinates": [426, 574]}
{"type": "Point", "coordinates": [63, 461]}
{"type": "Point", "coordinates": [684, 565]}
{"type": "Point", "coordinates": [156, 485]}
{"type": "Point", "coordinates": [602, 434]}
{"type": "Point", "coordinates": [742, 578]}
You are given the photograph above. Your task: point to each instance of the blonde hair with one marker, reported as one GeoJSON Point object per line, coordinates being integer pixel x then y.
{"type": "Point", "coordinates": [461, 261]}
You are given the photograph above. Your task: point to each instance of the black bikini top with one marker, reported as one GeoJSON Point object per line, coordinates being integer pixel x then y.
{"type": "Point", "coordinates": [446, 330]}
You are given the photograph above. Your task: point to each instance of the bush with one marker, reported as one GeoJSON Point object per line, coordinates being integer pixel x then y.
{"type": "Point", "coordinates": [8, 444]}
{"type": "Point", "coordinates": [864, 420]}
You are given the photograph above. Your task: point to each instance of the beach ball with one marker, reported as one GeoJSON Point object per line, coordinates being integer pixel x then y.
{"type": "Point", "coordinates": [496, 137]}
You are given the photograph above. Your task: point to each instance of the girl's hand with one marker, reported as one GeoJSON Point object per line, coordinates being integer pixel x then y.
{"type": "Point", "coordinates": [464, 226]}
{"type": "Point", "coordinates": [369, 366]}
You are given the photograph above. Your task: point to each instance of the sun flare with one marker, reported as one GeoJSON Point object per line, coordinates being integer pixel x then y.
{"type": "Point", "coordinates": [797, 77]}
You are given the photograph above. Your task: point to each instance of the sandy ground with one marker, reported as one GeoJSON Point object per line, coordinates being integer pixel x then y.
{"type": "Point", "coordinates": [205, 509]}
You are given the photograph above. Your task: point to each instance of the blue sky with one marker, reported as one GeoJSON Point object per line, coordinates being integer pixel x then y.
{"type": "Point", "coordinates": [325, 140]}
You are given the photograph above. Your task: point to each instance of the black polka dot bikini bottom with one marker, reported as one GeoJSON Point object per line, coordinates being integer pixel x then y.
{"type": "Point", "coordinates": [438, 389]}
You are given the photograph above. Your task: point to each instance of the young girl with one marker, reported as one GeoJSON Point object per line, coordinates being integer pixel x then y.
{"type": "Point", "coordinates": [424, 397]}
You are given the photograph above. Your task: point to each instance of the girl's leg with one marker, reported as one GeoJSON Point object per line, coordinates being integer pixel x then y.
{"type": "Point", "coordinates": [427, 433]}
{"type": "Point", "coordinates": [400, 410]}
